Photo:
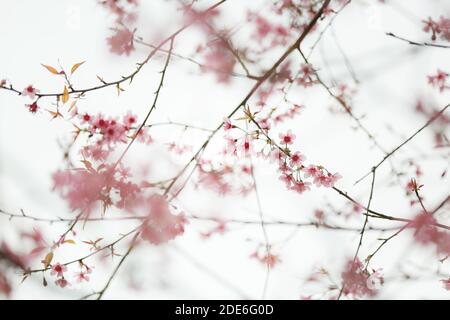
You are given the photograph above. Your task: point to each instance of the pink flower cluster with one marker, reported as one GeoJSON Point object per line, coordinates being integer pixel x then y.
{"type": "Point", "coordinates": [306, 74]}
{"type": "Point", "coordinates": [291, 168]}
{"type": "Point", "coordinates": [121, 42]}
{"type": "Point", "coordinates": [31, 93]}
{"type": "Point", "coordinates": [122, 9]}
{"type": "Point", "coordinates": [59, 269]}
{"type": "Point", "coordinates": [267, 258]}
{"type": "Point", "coordinates": [439, 80]}
{"type": "Point", "coordinates": [358, 282]}
{"type": "Point", "coordinates": [437, 28]}
{"type": "Point", "coordinates": [277, 33]}
{"type": "Point", "coordinates": [291, 164]}
{"type": "Point", "coordinates": [426, 233]}
{"type": "Point", "coordinates": [446, 284]}
{"type": "Point", "coordinates": [108, 132]}
{"type": "Point", "coordinates": [84, 187]}
{"type": "Point", "coordinates": [219, 60]}
{"type": "Point", "coordinates": [161, 225]}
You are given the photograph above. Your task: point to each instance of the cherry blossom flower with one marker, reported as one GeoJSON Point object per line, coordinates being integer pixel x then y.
{"type": "Point", "coordinates": [425, 233]}
{"type": "Point", "coordinates": [83, 188]}
{"type": "Point", "coordinates": [439, 80]}
{"type": "Point", "coordinates": [305, 77]}
{"type": "Point", "coordinates": [82, 276]}
{"type": "Point", "coordinates": [270, 260]}
{"type": "Point", "coordinates": [312, 171]}
{"type": "Point", "coordinates": [144, 137]}
{"type": "Point", "coordinates": [214, 180]}
{"type": "Point", "coordinates": [264, 124]}
{"type": "Point", "coordinates": [276, 155]}
{"type": "Point", "coordinates": [129, 120]}
{"type": "Point", "coordinates": [375, 280]}
{"type": "Point", "coordinates": [355, 279]}
{"type": "Point", "coordinates": [121, 42]}
{"type": "Point", "coordinates": [227, 124]}
{"type": "Point", "coordinates": [220, 228]}
{"type": "Point", "coordinates": [446, 284]}
{"type": "Point", "coordinates": [58, 269]}
{"type": "Point", "coordinates": [202, 18]}
{"type": "Point", "coordinates": [440, 27]}
{"type": "Point", "coordinates": [219, 60]}
{"type": "Point", "coordinates": [86, 118]}
{"type": "Point", "coordinates": [119, 8]}
{"type": "Point", "coordinates": [161, 225]}
{"type": "Point", "coordinates": [287, 179]}
{"type": "Point", "coordinates": [33, 108]}
{"type": "Point", "coordinates": [30, 92]}
{"type": "Point", "coordinates": [301, 186]}
{"type": "Point", "coordinates": [296, 159]}
{"type": "Point", "coordinates": [287, 138]}
{"type": "Point", "coordinates": [245, 146]}
{"type": "Point", "coordinates": [332, 179]}
{"type": "Point", "coordinates": [61, 282]}
{"type": "Point", "coordinates": [321, 180]}
{"type": "Point", "coordinates": [95, 152]}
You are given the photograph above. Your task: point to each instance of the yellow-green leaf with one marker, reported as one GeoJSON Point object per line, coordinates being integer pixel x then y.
{"type": "Point", "coordinates": [75, 67]}
{"type": "Point", "coordinates": [69, 241]}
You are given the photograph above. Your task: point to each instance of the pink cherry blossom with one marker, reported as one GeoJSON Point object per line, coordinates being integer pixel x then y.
{"type": "Point", "coordinates": [296, 159]}
{"type": "Point", "coordinates": [121, 42]}
{"type": "Point", "coordinates": [276, 155]}
{"type": "Point", "coordinates": [375, 280]}
{"type": "Point", "coordinates": [426, 233]}
{"type": "Point", "coordinates": [61, 282]}
{"type": "Point", "coordinates": [161, 225]}
{"type": "Point", "coordinates": [245, 146]}
{"type": "Point", "coordinates": [227, 124]}
{"type": "Point", "coordinates": [312, 171]}
{"type": "Point", "coordinates": [301, 186]}
{"type": "Point", "coordinates": [439, 80]}
{"type": "Point", "coordinates": [305, 77]}
{"type": "Point", "coordinates": [439, 27]}
{"type": "Point", "coordinates": [219, 60]}
{"type": "Point", "coordinates": [287, 138]}
{"type": "Point", "coordinates": [287, 179]}
{"type": "Point", "coordinates": [58, 269]}
{"type": "Point", "coordinates": [30, 92]}
{"type": "Point", "coordinates": [82, 276]}
{"type": "Point", "coordinates": [33, 107]}
{"type": "Point", "coordinates": [355, 279]}
{"type": "Point", "coordinates": [129, 120]}
{"type": "Point", "coordinates": [446, 284]}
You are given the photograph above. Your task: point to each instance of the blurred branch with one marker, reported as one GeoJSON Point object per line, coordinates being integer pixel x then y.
{"type": "Point", "coordinates": [420, 44]}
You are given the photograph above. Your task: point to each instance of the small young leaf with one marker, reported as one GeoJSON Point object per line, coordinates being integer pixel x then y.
{"type": "Point", "coordinates": [65, 96]}
{"type": "Point", "coordinates": [48, 259]}
{"type": "Point", "coordinates": [51, 69]}
{"type": "Point", "coordinates": [75, 67]}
